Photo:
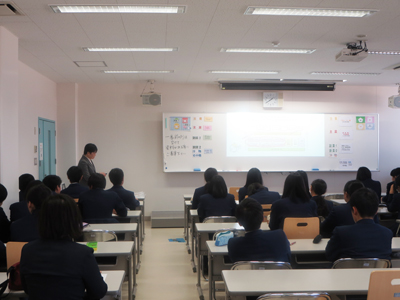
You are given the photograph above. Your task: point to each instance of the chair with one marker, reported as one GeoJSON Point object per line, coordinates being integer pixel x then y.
{"type": "Point", "coordinates": [384, 285]}
{"type": "Point", "coordinates": [260, 265]}
{"type": "Point", "coordinates": [301, 228]}
{"type": "Point", "coordinates": [359, 263]}
{"type": "Point", "coordinates": [220, 219]}
{"type": "Point", "coordinates": [266, 211]}
{"type": "Point", "coordinates": [234, 190]}
{"type": "Point", "coordinates": [98, 235]}
{"type": "Point", "coordinates": [295, 296]}
{"type": "Point", "coordinates": [13, 252]}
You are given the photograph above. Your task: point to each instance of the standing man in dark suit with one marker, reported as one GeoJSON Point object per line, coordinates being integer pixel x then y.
{"type": "Point", "coordinates": [86, 163]}
{"type": "Point", "coordinates": [364, 239]}
{"type": "Point", "coordinates": [117, 178]}
{"type": "Point", "coordinates": [257, 244]}
{"type": "Point", "coordinates": [97, 205]}
{"type": "Point", "coordinates": [75, 189]}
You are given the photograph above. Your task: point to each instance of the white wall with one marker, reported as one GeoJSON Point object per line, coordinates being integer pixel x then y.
{"type": "Point", "coordinates": [36, 98]}
{"type": "Point", "coordinates": [129, 135]}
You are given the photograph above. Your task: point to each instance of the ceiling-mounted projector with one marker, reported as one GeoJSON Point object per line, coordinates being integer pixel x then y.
{"type": "Point", "coordinates": [151, 99]}
{"type": "Point", "coordinates": [350, 55]}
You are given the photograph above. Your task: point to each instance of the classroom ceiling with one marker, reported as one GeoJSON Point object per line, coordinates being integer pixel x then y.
{"type": "Point", "coordinates": [51, 43]}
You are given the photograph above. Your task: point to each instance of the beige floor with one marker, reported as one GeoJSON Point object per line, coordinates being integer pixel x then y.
{"type": "Point", "coordinates": [165, 271]}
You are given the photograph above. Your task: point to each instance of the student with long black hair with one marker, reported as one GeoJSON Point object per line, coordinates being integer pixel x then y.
{"type": "Point", "coordinates": [253, 176]}
{"type": "Point", "coordinates": [295, 203]}
{"type": "Point", "coordinates": [317, 189]}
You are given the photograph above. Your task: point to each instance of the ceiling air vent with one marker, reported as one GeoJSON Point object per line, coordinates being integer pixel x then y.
{"type": "Point", "coordinates": [8, 9]}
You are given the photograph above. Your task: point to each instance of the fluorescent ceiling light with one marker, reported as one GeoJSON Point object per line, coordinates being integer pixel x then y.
{"type": "Point", "coordinates": [138, 72]}
{"type": "Point", "coordinates": [272, 50]}
{"type": "Point", "coordinates": [129, 49]}
{"type": "Point", "coordinates": [344, 73]}
{"type": "Point", "coordinates": [311, 12]}
{"type": "Point", "coordinates": [244, 72]}
{"type": "Point", "coordinates": [384, 52]}
{"type": "Point", "coordinates": [148, 9]}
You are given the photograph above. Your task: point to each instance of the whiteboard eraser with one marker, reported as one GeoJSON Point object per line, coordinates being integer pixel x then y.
{"type": "Point", "coordinates": [197, 169]}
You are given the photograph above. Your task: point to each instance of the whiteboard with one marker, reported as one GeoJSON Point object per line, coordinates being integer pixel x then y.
{"type": "Point", "coordinates": [272, 142]}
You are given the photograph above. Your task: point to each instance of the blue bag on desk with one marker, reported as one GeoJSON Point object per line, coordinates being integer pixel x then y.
{"type": "Point", "coordinates": [223, 238]}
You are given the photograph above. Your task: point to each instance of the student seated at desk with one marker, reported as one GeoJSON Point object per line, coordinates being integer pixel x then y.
{"type": "Point", "coordinates": [19, 209]}
{"type": "Point", "coordinates": [75, 189]}
{"type": "Point", "coordinates": [54, 266]}
{"type": "Point", "coordinates": [364, 175]}
{"type": "Point", "coordinates": [200, 191]}
{"type": "Point", "coordinates": [217, 202]}
{"type": "Point", "coordinates": [97, 205]}
{"type": "Point", "coordinates": [364, 239]}
{"type": "Point", "coordinates": [295, 203]}
{"type": "Point", "coordinates": [257, 244]}
{"type": "Point", "coordinates": [317, 189]}
{"type": "Point", "coordinates": [260, 193]}
{"type": "Point", "coordinates": [26, 229]}
{"type": "Point", "coordinates": [341, 214]}
{"type": "Point", "coordinates": [117, 179]}
{"type": "Point", "coordinates": [253, 176]}
{"type": "Point", "coordinates": [394, 173]}
{"type": "Point", "coordinates": [4, 222]}
{"type": "Point", "coordinates": [53, 182]}
{"type": "Point", "coordinates": [393, 201]}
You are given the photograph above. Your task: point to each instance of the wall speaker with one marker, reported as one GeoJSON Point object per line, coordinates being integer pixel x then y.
{"type": "Point", "coordinates": [394, 101]}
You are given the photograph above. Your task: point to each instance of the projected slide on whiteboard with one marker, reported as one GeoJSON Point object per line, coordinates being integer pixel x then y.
{"type": "Point", "coordinates": [261, 135]}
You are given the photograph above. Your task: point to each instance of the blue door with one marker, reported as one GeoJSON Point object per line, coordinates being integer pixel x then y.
{"type": "Point", "coordinates": [47, 148]}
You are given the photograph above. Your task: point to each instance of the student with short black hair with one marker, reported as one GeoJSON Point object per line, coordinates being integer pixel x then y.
{"type": "Point", "coordinates": [364, 239]}
{"type": "Point", "coordinates": [97, 205]}
{"type": "Point", "coordinates": [26, 229]}
{"type": "Point", "coordinates": [75, 189]}
{"type": "Point", "coordinates": [341, 214]}
{"type": "Point", "coordinates": [116, 176]}
{"type": "Point", "coordinates": [253, 175]}
{"type": "Point", "coordinates": [257, 244]}
{"type": "Point", "coordinates": [394, 173]}
{"type": "Point", "coordinates": [318, 189]}
{"type": "Point", "coordinates": [365, 176]}
{"type": "Point", "coordinates": [53, 182]}
{"type": "Point", "coordinates": [19, 210]}
{"type": "Point", "coordinates": [4, 222]}
{"type": "Point", "coordinates": [295, 203]}
{"type": "Point", "coordinates": [23, 182]}
{"type": "Point", "coordinates": [54, 266]}
{"type": "Point", "coordinates": [208, 175]}
{"type": "Point", "coordinates": [86, 163]}
{"type": "Point", "coordinates": [217, 202]}
{"type": "Point", "coordinates": [260, 193]}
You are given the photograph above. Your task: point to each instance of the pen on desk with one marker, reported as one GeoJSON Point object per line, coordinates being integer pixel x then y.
{"type": "Point", "coordinates": [291, 244]}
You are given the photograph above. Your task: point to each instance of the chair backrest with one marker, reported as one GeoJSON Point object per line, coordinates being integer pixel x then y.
{"type": "Point", "coordinates": [359, 263]}
{"type": "Point", "coordinates": [301, 228]}
{"type": "Point", "coordinates": [234, 230]}
{"type": "Point", "coordinates": [220, 219]}
{"type": "Point", "coordinates": [234, 190]}
{"type": "Point", "coordinates": [295, 296]}
{"type": "Point", "coordinates": [98, 235]}
{"type": "Point", "coordinates": [266, 211]}
{"type": "Point", "coordinates": [384, 285]}
{"type": "Point", "coordinates": [13, 252]}
{"type": "Point", "coordinates": [260, 265]}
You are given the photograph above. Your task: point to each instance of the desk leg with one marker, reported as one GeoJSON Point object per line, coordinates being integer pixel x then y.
{"type": "Point", "coordinates": [143, 221]}
{"type": "Point", "coordinates": [139, 223]}
{"type": "Point", "coordinates": [187, 228]}
{"type": "Point", "coordinates": [211, 285]}
{"type": "Point", "coordinates": [137, 255]}
{"type": "Point", "coordinates": [132, 275]}
{"type": "Point", "coordinates": [192, 230]}
{"type": "Point", "coordinates": [185, 221]}
{"type": "Point", "coordinates": [199, 290]}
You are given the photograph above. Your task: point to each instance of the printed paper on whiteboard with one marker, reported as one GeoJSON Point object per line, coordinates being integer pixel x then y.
{"type": "Point", "coordinates": [346, 134]}
{"type": "Point", "coordinates": [346, 148]}
{"type": "Point", "coordinates": [346, 164]}
{"type": "Point", "coordinates": [346, 121]}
